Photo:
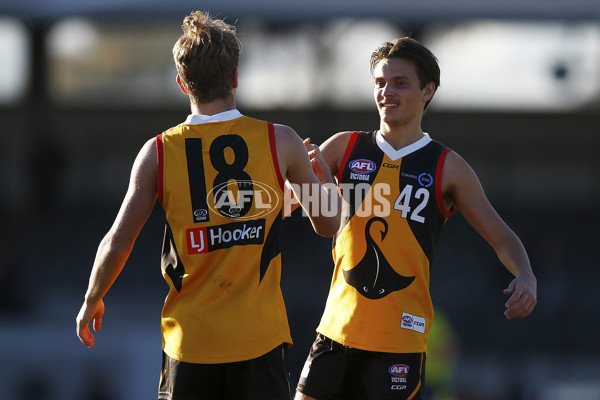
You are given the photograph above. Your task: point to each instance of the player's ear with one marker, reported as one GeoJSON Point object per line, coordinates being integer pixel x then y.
{"type": "Point", "coordinates": [183, 89]}
{"type": "Point", "coordinates": [428, 91]}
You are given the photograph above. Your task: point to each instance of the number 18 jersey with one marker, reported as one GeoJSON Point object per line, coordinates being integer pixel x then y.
{"type": "Point", "coordinates": [221, 189]}
{"type": "Point", "coordinates": [392, 216]}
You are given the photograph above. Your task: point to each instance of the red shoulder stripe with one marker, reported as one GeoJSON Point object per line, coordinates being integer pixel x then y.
{"type": "Point", "coordinates": [274, 155]}
{"type": "Point", "coordinates": [347, 153]}
{"type": "Point", "coordinates": [438, 184]}
{"type": "Point", "coordinates": [159, 156]}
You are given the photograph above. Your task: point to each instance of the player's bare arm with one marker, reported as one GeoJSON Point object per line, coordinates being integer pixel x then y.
{"type": "Point", "coordinates": [333, 150]}
{"type": "Point", "coordinates": [115, 247]}
{"type": "Point", "coordinates": [462, 188]}
{"type": "Point", "coordinates": [295, 167]}
{"type": "Point", "coordinates": [325, 166]}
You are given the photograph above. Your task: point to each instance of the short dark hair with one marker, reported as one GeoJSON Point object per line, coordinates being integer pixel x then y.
{"type": "Point", "coordinates": [206, 56]}
{"type": "Point", "coordinates": [408, 48]}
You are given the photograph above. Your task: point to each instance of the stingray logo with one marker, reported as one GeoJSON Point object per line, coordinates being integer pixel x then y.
{"type": "Point", "coordinates": [362, 166]}
{"type": "Point", "coordinates": [398, 370]}
{"type": "Point", "coordinates": [373, 276]}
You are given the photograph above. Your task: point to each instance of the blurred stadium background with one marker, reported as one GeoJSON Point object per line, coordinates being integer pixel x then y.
{"type": "Point", "coordinates": [83, 84]}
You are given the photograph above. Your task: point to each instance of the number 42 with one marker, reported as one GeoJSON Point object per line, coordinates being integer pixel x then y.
{"type": "Point", "coordinates": [402, 203]}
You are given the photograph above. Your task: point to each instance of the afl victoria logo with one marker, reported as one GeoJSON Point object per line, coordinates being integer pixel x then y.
{"type": "Point", "coordinates": [362, 166]}
{"type": "Point", "coordinates": [259, 197]}
{"type": "Point", "coordinates": [398, 370]}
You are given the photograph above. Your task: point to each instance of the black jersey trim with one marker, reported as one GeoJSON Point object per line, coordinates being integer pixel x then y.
{"type": "Point", "coordinates": [271, 247]}
{"type": "Point", "coordinates": [170, 261]}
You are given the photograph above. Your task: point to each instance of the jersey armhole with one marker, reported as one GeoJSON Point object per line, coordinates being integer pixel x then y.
{"type": "Point", "coordinates": [159, 175]}
{"type": "Point", "coordinates": [438, 185]}
{"type": "Point", "coordinates": [347, 153]}
{"type": "Point", "coordinates": [273, 147]}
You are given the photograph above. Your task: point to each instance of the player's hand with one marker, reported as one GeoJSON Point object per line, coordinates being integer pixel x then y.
{"type": "Point", "coordinates": [320, 167]}
{"type": "Point", "coordinates": [89, 311]}
{"type": "Point", "coordinates": [523, 297]}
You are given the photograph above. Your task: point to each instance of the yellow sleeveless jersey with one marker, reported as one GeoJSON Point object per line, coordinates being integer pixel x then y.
{"type": "Point", "coordinates": [392, 216]}
{"type": "Point", "coordinates": [221, 188]}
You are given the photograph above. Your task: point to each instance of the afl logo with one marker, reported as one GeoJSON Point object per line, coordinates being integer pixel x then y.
{"type": "Point", "coordinates": [362, 166]}
{"type": "Point", "coordinates": [398, 370]}
{"type": "Point", "coordinates": [407, 320]}
{"type": "Point", "coordinates": [253, 199]}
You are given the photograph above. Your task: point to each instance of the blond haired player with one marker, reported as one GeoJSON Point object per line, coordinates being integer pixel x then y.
{"type": "Point", "coordinates": [219, 177]}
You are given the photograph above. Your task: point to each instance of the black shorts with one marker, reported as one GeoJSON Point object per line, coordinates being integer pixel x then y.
{"type": "Point", "coordinates": [262, 378]}
{"type": "Point", "coordinates": [337, 372]}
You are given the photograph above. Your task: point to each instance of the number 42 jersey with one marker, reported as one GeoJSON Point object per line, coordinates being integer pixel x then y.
{"type": "Point", "coordinates": [392, 216]}
{"type": "Point", "coordinates": [221, 188]}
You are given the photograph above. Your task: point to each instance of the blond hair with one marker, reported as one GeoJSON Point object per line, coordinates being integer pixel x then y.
{"type": "Point", "coordinates": [206, 56]}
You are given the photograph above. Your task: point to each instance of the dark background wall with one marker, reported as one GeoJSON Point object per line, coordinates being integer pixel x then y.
{"type": "Point", "coordinates": [64, 172]}
{"type": "Point", "coordinates": [539, 170]}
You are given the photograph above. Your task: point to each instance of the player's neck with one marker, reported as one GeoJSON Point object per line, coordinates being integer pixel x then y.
{"type": "Point", "coordinates": [213, 107]}
{"type": "Point", "coordinates": [399, 137]}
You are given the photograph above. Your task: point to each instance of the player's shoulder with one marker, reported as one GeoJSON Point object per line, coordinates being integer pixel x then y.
{"type": "Point", "coordinates": [288, 144]}
{"type": "Point", "coordinates": [283, 130]}
{"type": "Point", "coordinates": [334, 148]}
{"type": "Point", "coordinates": [338, 142]}
{"type": "Point", "coordinates": [150, 147]}
{"type": "Point", "coordinates": [457, 170]}
{"type": "Point", "coordinates": [343, 136]}
{"type": "Point", "coordinates": [454, 160]}
{"type": "Point", "coordinates": [285, 136]}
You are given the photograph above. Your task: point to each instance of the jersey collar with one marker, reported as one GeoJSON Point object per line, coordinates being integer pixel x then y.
{"type": "Point", "coordinates": [220, 117]}
{"type": "Point", "coordinates": [394, 154]}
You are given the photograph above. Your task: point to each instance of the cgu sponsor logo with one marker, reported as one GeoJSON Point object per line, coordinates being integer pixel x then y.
{"type": "Point", "coordinates": [232, 197]}
{"type": "Point", "coordinates": [398, 370]}
{"type": "Point", "coordinates": [210, 238]}
{"type": "Point", "coordinates": [362, 166]}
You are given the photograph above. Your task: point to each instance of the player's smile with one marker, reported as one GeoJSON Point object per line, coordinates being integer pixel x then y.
{"type": "Point", "coordinates": [397, 91]}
